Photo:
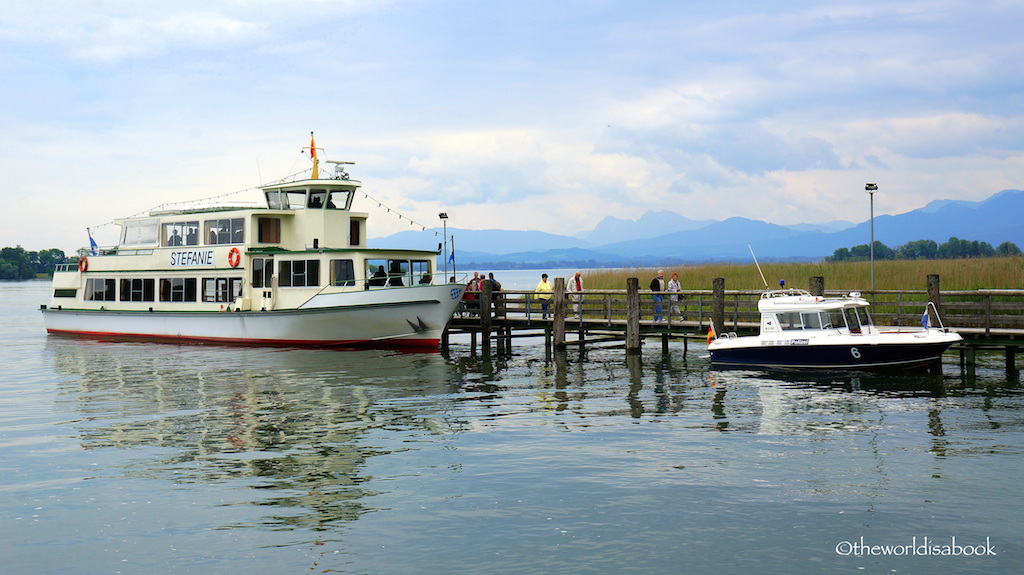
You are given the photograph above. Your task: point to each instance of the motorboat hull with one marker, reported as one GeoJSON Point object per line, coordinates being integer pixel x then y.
{"type": "Point", "coordinates": [896, 356]}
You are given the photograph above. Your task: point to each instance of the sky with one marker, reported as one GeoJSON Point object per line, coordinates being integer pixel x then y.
{"type": "Point", "coordinates": [524, 115]}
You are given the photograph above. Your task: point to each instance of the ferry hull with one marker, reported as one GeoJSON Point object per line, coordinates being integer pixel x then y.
{"type": "Point", "coordinates": [860, 356]}
{"type": "Point", "coordinates": [375, 318]}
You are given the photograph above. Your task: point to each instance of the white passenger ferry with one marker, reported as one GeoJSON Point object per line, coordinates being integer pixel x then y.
{"type": "Point", "coordinates": [295, 272]}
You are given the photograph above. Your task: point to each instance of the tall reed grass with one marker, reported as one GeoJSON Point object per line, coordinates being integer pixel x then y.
{"type": "Point", "coordinates": [985, 273]}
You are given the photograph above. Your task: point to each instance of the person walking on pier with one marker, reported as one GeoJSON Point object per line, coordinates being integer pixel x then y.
{"type": "Point", "coordinates": [497, 300]}
{"type": "Point", "coordinates": [575, 287]}
{"type": "Point", "coordinates": [658, 285]}
{"type": "Point", "coordinates": [544, 291]}
{"type": "Point", "coordinates": [673, 297]}
{"type": "Point", "coordinates": [471, 296]}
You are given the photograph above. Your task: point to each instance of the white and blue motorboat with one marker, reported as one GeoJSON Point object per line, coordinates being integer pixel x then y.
{"type": "Point", "coordinates": [803, 331]}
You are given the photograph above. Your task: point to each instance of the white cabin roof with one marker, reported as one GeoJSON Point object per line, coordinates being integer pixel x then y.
{"type": "Point", "coordinates": [798, 300]}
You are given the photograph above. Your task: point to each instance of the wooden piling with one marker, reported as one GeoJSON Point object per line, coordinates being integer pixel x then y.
{"type": "Point", "coordinates": [718, 305]}
{"type": "Point", "coordinates": [558, 314]}
{"type": "Point", "coordinates": [934, 297]}
{"type": "Point", "coordinates": [486, 305]}
{"type": "Point", "coordinates": [632, 316]}
{"type": "Point", "coordinates": [817, 286]}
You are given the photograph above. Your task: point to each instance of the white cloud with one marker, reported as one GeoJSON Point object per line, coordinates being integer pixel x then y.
{"type": "Point", "coordinates": [530, 115]}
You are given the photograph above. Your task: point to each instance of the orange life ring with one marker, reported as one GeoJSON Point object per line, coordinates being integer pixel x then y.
{"type": "Point", "coordinates": [234, 257]}
{"type": "Point", "coordinates": [83, 264]}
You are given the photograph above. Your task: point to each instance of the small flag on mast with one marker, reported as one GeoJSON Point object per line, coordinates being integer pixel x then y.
{"type": "Point", "coordinates": [312, 156]}
{"type": "Point", "coordinates": [924, 319]}
{"type": "Point", "coordinates": [711, 333]}
{"type": "Point", "coordinates": [95, 249]}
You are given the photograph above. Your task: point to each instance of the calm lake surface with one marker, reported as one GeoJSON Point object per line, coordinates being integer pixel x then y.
{"type": "Point", "coordinates": [155, 458]}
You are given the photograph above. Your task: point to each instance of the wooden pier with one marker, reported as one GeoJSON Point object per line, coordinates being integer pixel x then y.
{"type": "Point", "coordinates": [987, 319]}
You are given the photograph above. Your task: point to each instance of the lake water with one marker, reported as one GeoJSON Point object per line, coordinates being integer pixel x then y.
{"type": "Point", "coordinates": [154, 458]}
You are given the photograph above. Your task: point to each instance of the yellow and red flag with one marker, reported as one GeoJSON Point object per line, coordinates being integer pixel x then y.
{"type": "Point", "coordinates": [711, 333]}
{"type": "Point", "coordinates": [312, 156]}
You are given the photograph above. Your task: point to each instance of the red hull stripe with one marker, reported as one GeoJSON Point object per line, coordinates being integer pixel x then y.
{"type": "Point", "coordinates": [383, 343]}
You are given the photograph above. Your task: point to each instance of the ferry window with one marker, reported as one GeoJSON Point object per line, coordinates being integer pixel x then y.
{"type": "Point", "coordinates": [269, 230]}
{"type": "Point", "coordinates": [295, 200]}
{"type": "Point", "coordinates": [181, 234]}
{"type": "Point", "coordinates": [226, 231]}
{"type": "Point", "coordinates": [274, 200]}
{"type": "Point", "coordinates": [222, 290]}
{"type": "Point", "coordinates": [398, 270]}
{"type": "Point", "coordinates": [353, 232]}
{"type": "Point", "coordinates": [790, 320]}
{"type": "Point", "coordinates": [339, 200]}
{"type": "Point", "coordinates": [178, 289]}
{"type": "Point", "coordinates": [140, 233]}
{"type": "Point", "coordinates": [262, 272]}
{"type": "Point", "coordinates": [421, 271]}
{"type": "Point", "coordinates": [343, 273]}
{"type": "Point", "coordinates": [316, 198]}
{"type": "Point", "coordinates": [299, 273]}
{"type": "Point", "coordinates": [811, 320]}
{"type": "Point", "coordinates": [138, 289]}
{"type": "Point", "coordinates": [376, 272]}
{"type": "Point", "coordinates": [834, 319]}
{"type": "Point", "coordinates": [100, 290]}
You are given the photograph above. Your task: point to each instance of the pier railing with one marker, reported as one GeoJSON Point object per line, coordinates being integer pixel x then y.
{"type": "Point", "coordinates": [974, 311]}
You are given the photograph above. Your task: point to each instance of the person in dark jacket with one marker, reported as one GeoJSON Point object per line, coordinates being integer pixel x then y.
{"type": "Point", "coordinates": [658, 285]}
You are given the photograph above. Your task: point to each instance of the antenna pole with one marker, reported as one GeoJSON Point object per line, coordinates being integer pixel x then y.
{"type": "Point", "coordinates": [758, 266]}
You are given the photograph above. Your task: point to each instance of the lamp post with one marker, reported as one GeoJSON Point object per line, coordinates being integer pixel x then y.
{"type": "Point", "coordinates": [871, 189]}
{"type": "Point", "coordinates": [444, 222]}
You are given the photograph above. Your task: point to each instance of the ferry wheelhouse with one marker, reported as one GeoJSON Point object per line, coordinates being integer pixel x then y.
{"type": "Point", "coordinates": [295, 271]}
{"type": "Point", "coordinates": [802, 331]}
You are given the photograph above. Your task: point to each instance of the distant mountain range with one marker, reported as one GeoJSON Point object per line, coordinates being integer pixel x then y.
{"type": "Point", "coordinates": [616, 242]}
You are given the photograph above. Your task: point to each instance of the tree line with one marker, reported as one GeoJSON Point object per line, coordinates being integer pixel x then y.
{"type": "Point", "coordinates": [18, 264]}
{"type": "Point", "coordinates": [954, 248]}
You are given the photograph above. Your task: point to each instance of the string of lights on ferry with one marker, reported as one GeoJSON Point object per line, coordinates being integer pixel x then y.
{"type": "Point", "coordinates": [166, 206]}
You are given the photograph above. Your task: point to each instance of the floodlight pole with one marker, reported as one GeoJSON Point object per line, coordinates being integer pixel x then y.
{"type": "Point", "coordinates": [444, 254]}
{"type": "Point", "coordinates": [871, 189]}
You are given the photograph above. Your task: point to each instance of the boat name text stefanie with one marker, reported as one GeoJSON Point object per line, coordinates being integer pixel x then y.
{"type": "Point", "coordinates": [192, 258]}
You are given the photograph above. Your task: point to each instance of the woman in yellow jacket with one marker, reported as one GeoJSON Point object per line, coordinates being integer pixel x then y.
{"type": "Point", "coordinates": [544, 294]}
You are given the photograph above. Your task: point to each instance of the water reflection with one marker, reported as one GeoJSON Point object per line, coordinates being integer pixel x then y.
{"type": "Point", "coordinates": [296, 433]}
{"type": "Point", "coordinates": [290, 423]}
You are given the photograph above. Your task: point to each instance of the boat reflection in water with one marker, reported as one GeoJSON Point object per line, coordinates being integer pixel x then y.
{"type": "Point", "coordinates": [294, 423]}
{"type": "Point", "coordinates": [909, 384]}
{"type": "Point", "coordinates": [786, 403]}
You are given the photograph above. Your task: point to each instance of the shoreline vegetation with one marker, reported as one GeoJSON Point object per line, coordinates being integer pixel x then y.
{"type": "Point", "coordinates": [999, 272]}
{"type": "Point", "coordinates": [955, 274]}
